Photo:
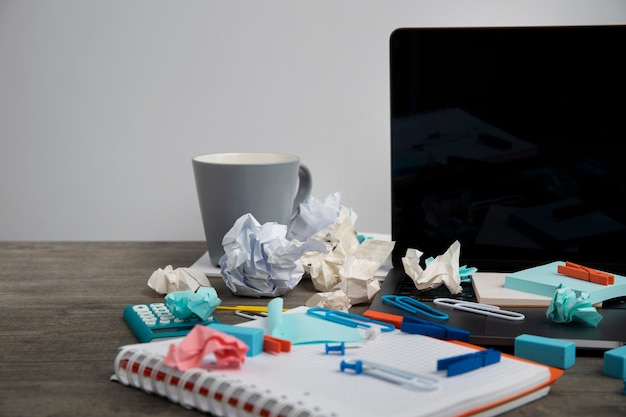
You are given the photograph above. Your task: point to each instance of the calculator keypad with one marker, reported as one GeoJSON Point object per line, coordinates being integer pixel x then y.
{"type": "Point", "coordinates": [155, 320]}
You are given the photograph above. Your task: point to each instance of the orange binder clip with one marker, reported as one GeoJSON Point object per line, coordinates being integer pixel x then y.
{"type": "Point", "coordinates": [275, 345]}
{"type": "Point", "coordinates": [584, 273]}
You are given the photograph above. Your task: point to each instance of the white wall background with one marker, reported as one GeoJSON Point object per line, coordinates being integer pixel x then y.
{"type": "Point", "coordinates": [104, 103]}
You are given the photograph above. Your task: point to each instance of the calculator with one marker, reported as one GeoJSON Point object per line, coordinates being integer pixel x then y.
{"type": "Point", "coordinates": [156, 321]}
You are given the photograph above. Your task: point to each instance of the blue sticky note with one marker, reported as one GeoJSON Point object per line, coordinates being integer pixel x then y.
{"type": "Point", "coordinates": [615, 362]}
{"type": "Point", "coordinates": [300, 328]}
{"type": "Point", "coordinates": [544, 280]}
{"type": "Point", "coordinates": [249, 335]}
{"type": "Point", "coordinates": [552, 352]}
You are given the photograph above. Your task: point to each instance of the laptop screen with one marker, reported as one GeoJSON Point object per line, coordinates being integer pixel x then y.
{"type": "Point", "coordinates": [510, 140]}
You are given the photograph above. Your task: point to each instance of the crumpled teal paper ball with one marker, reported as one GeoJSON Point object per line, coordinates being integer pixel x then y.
{"type": "Point", "coordinates": [202, 303]}
{"type": "Point", "coordinates": [567, 306]}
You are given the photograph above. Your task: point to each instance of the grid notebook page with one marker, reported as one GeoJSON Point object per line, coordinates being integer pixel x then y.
{"type": "Point", "coordinates": [307, 381]}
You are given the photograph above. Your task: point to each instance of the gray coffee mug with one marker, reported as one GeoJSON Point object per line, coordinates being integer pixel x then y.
{"type": "Point", "coordinates": [270, 186]}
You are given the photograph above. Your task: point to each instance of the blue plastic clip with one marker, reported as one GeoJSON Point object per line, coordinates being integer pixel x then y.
{"type": "Point", "coordinates": [464, 363]}
{"type": "Point", "coordinates": [413, 306]}
{"type": "Point", "coordinates": [341, 348]}
{"type": "Point", "coordinates": [416, 325]}
{"type": "Point", "coordinates": [416, 381]}
{"type": "Point", "coordinates": [348, 319]}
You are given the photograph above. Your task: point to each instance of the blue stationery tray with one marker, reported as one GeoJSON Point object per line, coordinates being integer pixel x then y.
{"type": "Point", "coordinates": [156, 321]}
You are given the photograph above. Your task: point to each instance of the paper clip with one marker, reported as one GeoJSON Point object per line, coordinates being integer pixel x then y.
{"type": "Point", "coordinates": [413, 306]}
{"type": "Point", "coordinates": [256, 316]}
{"type": "Point", "coordinates": [397, 376]}
{"type": "Point", "coordinates": [348, 319]}
{"type": "Point", "coordinates": [460, 364]}
{"type": "Point", "coordinates": [478, 308]}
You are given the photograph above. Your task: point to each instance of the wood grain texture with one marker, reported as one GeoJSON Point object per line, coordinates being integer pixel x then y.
{"type": "Point", "coordinates": [61, 326]}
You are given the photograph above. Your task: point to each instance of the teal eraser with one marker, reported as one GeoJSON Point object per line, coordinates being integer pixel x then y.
{"type": "Point", "coordinates": [615, 362]}
{"type": "Point", "coordinates": [251, 336]}
{"type": "Point", "coordinates": [552, 352]}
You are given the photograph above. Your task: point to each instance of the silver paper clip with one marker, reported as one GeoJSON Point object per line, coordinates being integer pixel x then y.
{"type": "Point", "coordinates": [478, 308]}
{"type": "Point", "coordinates": [397, 376]}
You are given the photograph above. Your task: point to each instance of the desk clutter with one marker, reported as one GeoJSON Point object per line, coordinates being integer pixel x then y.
{"type": "Point", "coordinates": [445, 377]}
{"type": "Point", "coordinates": [290, 362]}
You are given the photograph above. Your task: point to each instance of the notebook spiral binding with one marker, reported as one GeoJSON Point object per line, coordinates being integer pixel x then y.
{"type": "Point", "coordinates": [205, 390]}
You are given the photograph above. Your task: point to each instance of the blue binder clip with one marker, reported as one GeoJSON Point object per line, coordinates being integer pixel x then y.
{"type": "Point", "coordinates": [416, 325]}
{"type": "Point", "coordinates": [457, 365]}
{"type": "Point", "coordinates": [348, 319]}
{"type": "Point", "coordinates": [413, 306]}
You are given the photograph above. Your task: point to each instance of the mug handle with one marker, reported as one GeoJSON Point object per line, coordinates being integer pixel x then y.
{"type": "Point", "coordinates": [305, 184]}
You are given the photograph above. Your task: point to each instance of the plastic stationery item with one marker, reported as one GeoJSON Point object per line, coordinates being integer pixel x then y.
{"type": "Point", "coordinates": [348, 319]}
{"type": "Point", "coordinates": [156, 321]}
{"type": "Point", "coordinates": [306, 381]}
{"type": "Point", "coordinates": [397, 376]}
{"type": "Point", "coordinates": [461, 364]}
{"type": "Point", "coordinates": [413, 306]}
{"type": "Point", "coordinates": [478, 308]}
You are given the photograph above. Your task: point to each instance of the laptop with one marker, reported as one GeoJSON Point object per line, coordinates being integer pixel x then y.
{"type": "Point", "coordinates": [509, 140]}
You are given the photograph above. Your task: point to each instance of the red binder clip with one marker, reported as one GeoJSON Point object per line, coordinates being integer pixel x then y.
{"type": "Point", "coordinates": [584, 273]}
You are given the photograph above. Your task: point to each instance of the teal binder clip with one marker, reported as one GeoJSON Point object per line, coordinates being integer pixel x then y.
{"type": "Point", "coordinates": [413, 306]}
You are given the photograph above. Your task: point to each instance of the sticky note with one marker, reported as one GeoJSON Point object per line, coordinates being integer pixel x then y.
{"type": "Point", "coordinates": [253, 337]}
{"type": "Point", "coordinates": [548, 351]}
{"type": "Point", "coordinates": [615, 362]}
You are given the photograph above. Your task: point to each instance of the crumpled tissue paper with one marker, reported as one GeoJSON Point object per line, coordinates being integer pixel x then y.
{"type": "Point", "coordinates": [444, 269]}
{"type": "Point", "coordinates": [202, 303]}
{"type": "Point", "coordinates": [358, 270]}
{"type": "Point", "coordinates": [333, 300]}
{"type": "Point", "coordinates": [340, 240]}
{"type": "Point", "coordinates": [566, 307]}
{"type": "Point", "coordinates": [165, 281]}
{"type": "Point", "coordinates": [259, 261]}
{"type": "Point", "coordinates": [348, 265]}
{"type": "Point", "coordinates": [315, 215]}
{"type": "Point", "coordinates": [202, 342]}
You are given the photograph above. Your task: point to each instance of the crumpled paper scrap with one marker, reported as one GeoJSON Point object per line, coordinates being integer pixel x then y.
{"type": "Point", "coordinates": [444, 269]}
{"type": "Point", "coordinates": [165, 281]}
{"type": "Point", "coordinates": [465, 272]}
{"type": "Point", "coordinates": [341, 240]}
{"type": "Point", "coordinates": [333, 300]}
{"type": "Point", "coordinates": [315, 215]}
{"type": "Point", "coordinates": [202, 341]}
{"type": "Point", "coordinates": [202, 303]}
{"type": "Point", "coordinates": [566, 307]}
{"type": "Point", "coordinates": [259, 261]}
{"type": "Point", "coordinates": [358, 270]}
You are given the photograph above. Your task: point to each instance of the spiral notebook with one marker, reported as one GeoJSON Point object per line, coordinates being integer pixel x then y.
{"type": "Point", "coordinates": [308, 382]}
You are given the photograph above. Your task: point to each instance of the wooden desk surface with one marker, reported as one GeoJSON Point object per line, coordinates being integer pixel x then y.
{"type": "Point", "coordinates": [62, 324]}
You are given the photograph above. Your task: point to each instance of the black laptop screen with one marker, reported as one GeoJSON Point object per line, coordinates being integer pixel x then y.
{"type": "Point", "coordinates": [510, 140]}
